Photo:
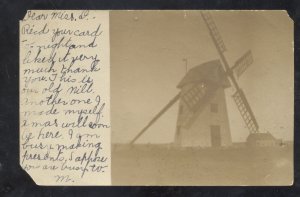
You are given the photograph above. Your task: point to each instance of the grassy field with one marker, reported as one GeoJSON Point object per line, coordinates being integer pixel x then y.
{"type": "Point", "coordinates": [163, 165]}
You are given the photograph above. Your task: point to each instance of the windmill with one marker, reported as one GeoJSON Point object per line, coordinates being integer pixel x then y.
{"type": "Point", "coordinates": [204, 85]}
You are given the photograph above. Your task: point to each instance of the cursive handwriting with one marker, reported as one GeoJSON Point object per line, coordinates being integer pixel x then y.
{"type": "Point", "coordinates": [63, 110]}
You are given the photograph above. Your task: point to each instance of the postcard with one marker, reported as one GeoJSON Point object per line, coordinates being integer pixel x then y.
{"type": "Point", "coordinates": [183, 98]}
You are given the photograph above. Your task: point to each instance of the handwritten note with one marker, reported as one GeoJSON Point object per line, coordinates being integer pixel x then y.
{"type": "Point", "coordinates": [64, 97]}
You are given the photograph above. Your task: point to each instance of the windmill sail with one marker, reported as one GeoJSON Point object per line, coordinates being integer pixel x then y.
{"type": "Point", "coordinates": [213, 31]}
{"type": "Point", "coordinates": [199, 107]}
{"type": "Point", "coordinates": [241, 65]}
{"type": "Point", "coordinates": [193, 97]}
{"type": "Point", "coordinates": [245, 111]}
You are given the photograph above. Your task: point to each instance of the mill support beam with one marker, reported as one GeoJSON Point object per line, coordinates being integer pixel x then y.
{"type": "Point", "coordinates": [156, 117]}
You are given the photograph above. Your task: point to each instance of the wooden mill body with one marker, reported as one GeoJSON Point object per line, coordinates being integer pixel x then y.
{"type": "Point", "coordinates": [202, 116]}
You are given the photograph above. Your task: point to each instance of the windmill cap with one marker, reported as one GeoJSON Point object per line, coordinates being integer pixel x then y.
{"type": "Point", "coordinates": [210, 72]}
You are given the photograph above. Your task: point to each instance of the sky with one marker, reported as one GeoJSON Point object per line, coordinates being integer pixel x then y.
{"type": "Point", "coordinates": [147, 50]}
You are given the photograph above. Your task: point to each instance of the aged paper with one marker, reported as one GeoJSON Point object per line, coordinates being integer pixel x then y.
{"type": "Point", "coordinates": [65, 97]}
{"type": "Point", "coordinates": [197, 97]}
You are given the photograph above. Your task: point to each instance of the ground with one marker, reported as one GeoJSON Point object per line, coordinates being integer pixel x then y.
{"type": "Point", "coordinates": [165, 165]}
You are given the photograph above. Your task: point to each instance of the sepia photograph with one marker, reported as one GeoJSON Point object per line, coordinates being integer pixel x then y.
{"type": "Point", "coordinates": [149, 98]}
{"type": "Point", "coordinates": [202, 98]}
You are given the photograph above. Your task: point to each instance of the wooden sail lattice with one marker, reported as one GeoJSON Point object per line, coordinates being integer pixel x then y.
{"type": "Point", "coordinates": [243, 107]}
{"type": "Point", "coordinates": [214, 32]}
{"type": "Point", "coordinates": [193, 96]}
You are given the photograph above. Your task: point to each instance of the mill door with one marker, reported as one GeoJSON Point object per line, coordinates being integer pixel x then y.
{"type": "Point", "coordinates": [215, 135]}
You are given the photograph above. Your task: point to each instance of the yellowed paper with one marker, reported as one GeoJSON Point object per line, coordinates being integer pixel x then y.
{"type": "Point", "coordinates": [65, 97]}
{"type": "Point", "coordinates": [197, 97]}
